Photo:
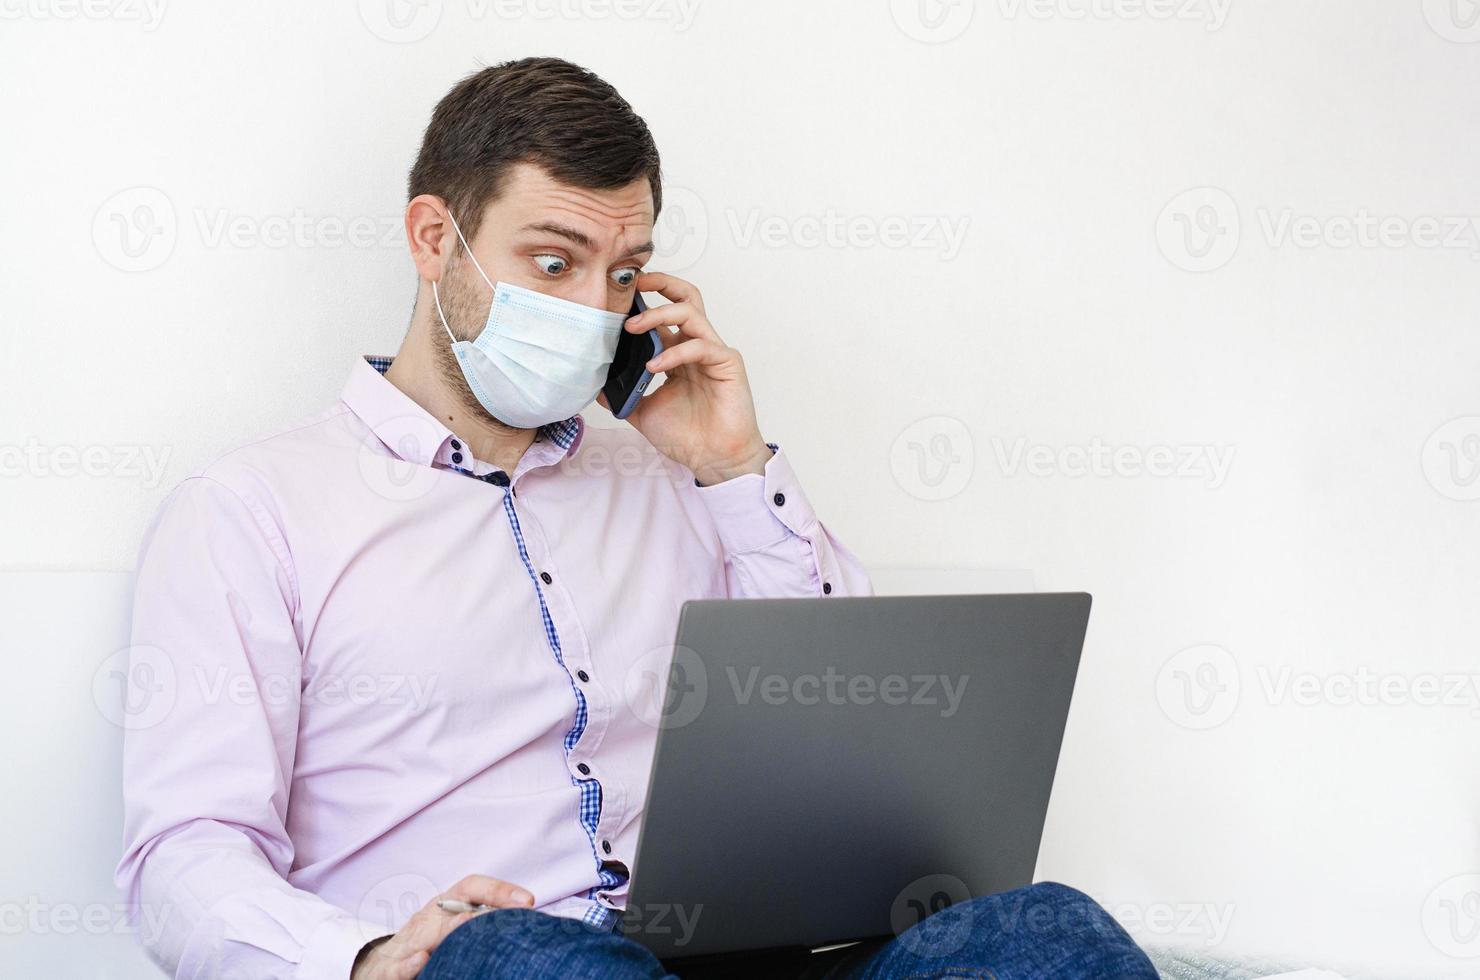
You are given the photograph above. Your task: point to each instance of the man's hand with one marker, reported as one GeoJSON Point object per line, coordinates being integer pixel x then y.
{"type": "Point", "coordinates": [703, 415]}
{"type": "Point", "coordinates": [403, 955]}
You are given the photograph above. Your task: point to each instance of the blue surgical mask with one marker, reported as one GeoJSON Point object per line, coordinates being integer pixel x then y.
{"type": "Point", "coordinates": [538, 359]}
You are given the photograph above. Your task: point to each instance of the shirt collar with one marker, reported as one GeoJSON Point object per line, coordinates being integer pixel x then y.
{"type": "Point", "coordinates": [413, 434]}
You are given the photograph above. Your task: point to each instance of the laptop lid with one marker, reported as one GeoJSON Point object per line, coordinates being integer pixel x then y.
{"type": "Point", "coordinates": [836, 769]}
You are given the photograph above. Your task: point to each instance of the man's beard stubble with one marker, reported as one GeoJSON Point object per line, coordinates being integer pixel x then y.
{"type": "Point", "coordinates": [464, 305]}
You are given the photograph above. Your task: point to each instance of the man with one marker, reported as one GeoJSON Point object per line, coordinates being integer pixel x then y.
{"type": "Point", "coordinates": [406, 640]}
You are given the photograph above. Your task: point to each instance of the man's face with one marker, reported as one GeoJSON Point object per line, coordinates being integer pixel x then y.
{"type": "Point", "coordinates": [582, 245]}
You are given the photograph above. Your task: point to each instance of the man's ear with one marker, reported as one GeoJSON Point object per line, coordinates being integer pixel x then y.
{"type": "Point", "coordinates": [429, 235]}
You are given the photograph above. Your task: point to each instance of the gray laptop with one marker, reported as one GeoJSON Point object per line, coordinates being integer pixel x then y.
{"type": "Point", "coordinates": [835, 769]}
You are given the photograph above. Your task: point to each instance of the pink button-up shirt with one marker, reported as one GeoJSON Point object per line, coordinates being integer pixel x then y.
{"type": "Point", "coordinates": [366, 664]}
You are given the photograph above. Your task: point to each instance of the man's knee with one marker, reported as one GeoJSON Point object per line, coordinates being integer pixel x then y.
{"type": "Point", "coordinates": [527, 944]}
{"type": "Point", "coordinates": [1057, 921]}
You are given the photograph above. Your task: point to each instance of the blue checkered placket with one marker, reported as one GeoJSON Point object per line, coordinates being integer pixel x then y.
{"type": "Point", "coordinates": [563, 434]}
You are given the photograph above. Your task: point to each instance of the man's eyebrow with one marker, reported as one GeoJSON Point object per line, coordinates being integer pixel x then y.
{"type": "Point", "coordinates": [578, 237]}
{"type": "Point", "coordinates": [564, 231]}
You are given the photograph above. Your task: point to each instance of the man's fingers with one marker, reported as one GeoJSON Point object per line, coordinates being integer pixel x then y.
{"type": "Point", "coordinates": [689, 319]}
{"type": "Point", "coordinates": [483, 890]}
{"type": "Point", "coordinates": [671, 288]}
{"type": "Point", "coordinates": [695, 352]}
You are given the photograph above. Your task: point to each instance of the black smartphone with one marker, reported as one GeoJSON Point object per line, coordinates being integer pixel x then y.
{"type": "Point", "coordinates": [629, 376]}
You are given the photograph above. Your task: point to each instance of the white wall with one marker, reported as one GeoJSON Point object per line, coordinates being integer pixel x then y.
{"type": "Point", "coordinates": [1069, 315]}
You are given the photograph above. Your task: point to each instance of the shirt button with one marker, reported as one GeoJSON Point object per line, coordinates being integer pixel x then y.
{"type": "Point", "coordinates": [457, 457]}
{"type": "Point", "coordinates": [606, 847]}
{"type": "Point", "coordinates": [545, 577]}
{"type": "Point", "coordinates": [583, 675]}
{"type": "Point", "coordinates": [779, 499]}
{"type": "Point", "coordinates": [827, 588]}
{"type": "Point", "coordinates": [456, 444]}
{"type": "Point", "coordinates": [498, 478]}
{"type": "Point", "coordinates": [583, 769]}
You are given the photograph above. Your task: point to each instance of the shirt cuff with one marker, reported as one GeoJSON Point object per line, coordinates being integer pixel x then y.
{"type": "Point", "coordinates": [756, 510]}
{"type": "Point", "coordinates": [333, 946]}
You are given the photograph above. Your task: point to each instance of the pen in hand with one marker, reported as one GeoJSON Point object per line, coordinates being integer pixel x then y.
{"type": "Point", "coordinates": [456, 907]}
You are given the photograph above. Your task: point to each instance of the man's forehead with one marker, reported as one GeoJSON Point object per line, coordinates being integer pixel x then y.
{"type": "Point", "coordinates": [531, 194]}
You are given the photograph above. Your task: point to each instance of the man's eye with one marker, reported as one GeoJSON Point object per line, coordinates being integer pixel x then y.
{"type": "Point", "coordinates": [552, 265]}
{"type": "Point", "coordinates": [625, 277]}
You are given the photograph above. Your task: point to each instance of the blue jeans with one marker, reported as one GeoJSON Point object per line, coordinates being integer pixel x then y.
{"type": "Point", "coordinates": [1045, 930]}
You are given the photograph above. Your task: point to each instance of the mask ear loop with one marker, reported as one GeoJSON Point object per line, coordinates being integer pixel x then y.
{"type": "Point", "coordinates": [437, 299]}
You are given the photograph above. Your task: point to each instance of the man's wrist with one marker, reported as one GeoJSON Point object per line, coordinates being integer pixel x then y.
{"type": "Point", "coordinates": [752, 462]}
{"type": "Point", "coordinates": [365, 952]}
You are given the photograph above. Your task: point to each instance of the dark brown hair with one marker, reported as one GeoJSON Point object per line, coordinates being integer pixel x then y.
{"type": "Point", "coordinates": [544, 111]}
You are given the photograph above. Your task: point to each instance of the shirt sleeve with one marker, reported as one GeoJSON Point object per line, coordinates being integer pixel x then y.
{"type": "Point", "coordinates": [211, 728]}
{"type": "Point", "coordinates": [774, 545]}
